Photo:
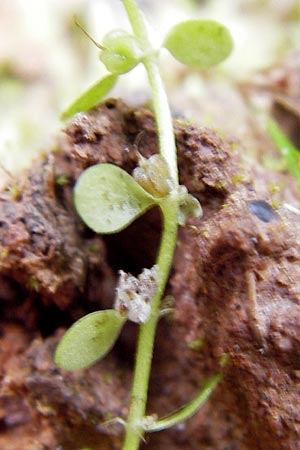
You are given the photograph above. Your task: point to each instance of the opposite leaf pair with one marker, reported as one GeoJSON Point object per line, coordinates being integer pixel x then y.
{"type": "Point", "coordinates": [196, 43]}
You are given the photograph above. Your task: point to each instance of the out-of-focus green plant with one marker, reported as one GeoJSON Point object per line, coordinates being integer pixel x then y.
{"type": "Point", "coordinates": [289, 153]}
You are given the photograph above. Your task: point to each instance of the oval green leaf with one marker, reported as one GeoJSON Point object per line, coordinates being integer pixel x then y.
{"type": "Point", "coordinates": [91, 97]}
{"type": "Point", "coordinates": [199, 43]}
{"type": "Point", "coordinates": [88, 340]}
{"type": "Point", "coordinates": [108, 199]}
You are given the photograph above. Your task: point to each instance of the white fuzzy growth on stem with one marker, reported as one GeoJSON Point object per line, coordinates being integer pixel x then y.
{"type": "Point", "coordinates": [135, 294]}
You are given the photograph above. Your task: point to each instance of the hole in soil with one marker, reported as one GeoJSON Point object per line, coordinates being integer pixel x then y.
{"type": "Point", "coordinates": [111, 104]}
{"type": "Point", "coordinates": [135, 247]}
{"type": "Point", "coordinates": [50, 318]}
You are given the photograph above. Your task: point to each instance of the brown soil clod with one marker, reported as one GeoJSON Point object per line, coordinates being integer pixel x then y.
{"type": "Point", "coordinates": [235, 280]}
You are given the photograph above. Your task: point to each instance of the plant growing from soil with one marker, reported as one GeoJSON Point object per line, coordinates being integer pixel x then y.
{"type": "Point", "coordinates": [108, 199]}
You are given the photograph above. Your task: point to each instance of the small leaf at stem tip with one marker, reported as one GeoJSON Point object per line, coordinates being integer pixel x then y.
{"type": "Point", "coordinates": [199, 43]}
{"type": "Point", "coordinates": [108, 199]}
{"type": "Point", "coordinates": [91, 97]}
{"type": "Point", "coordinates": [89, 339]}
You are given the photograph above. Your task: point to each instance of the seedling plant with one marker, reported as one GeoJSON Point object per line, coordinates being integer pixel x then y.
{"type": "Point", "coordinates": [108, 199]}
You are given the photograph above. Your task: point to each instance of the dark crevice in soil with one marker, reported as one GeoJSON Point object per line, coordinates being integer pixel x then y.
{"type": "Point", "coordinates": [50, 318]}
{"type": "Point", "coordinates": [135, 247]}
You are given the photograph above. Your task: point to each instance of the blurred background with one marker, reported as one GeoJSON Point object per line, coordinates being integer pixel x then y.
{"type": "Point", "coordinates": [46, 61]}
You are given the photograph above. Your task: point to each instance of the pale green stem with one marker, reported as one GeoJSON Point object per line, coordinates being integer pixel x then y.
{"type": "Point", "coordinates": [137, 23]}
{"type": "Point", "coordinates": [162, 117]}
{"type": "Point", "coordinates": [160, 103]}
{"type": "Point", "coordinates": [189, 409]}
{"type": "Point", "coordinates": [134, 429]}
{"type": "Point", "coordinates": [167, 148]}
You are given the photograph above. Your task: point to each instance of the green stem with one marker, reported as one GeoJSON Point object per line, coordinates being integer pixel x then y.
{"type": "Point", "coordinates": [138, 23]}
{"type": "Point", "coordinates": [134, 429]}
{"type": "Point", "coordinates": [160, 103]}
{"type": "Point", "coordinates": [167, 148]}
{"type": "Point", "coordinates": [162, 116]}
{"type": "Point", "coordinates": [189, 409]}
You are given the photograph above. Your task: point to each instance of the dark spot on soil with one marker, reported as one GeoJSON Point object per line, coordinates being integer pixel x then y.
{"type": "Point", "coordinates": [110, 104]}
{"type": "Point", "coordinates": [263, 211]}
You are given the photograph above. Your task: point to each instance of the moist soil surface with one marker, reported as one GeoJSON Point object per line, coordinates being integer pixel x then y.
{"type": "Point", "coordinates": [235, 283]}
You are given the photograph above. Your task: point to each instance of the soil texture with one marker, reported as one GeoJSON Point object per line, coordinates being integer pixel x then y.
{"type": "Point", "coordinates": [235, 282]}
